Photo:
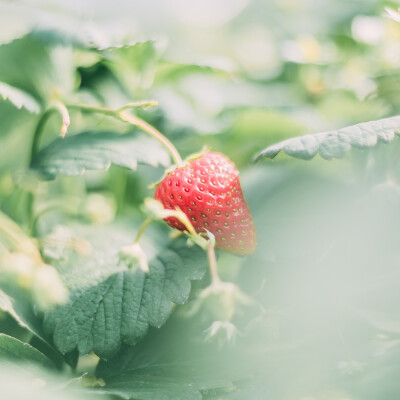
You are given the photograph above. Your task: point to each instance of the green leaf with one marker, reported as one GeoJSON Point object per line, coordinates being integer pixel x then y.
{"type": "Point", "coordinates": [169, 71]}
{"type": "Point", "coordinates": [171, 363]}
{"type": "Point", "coordinates": [165, 380]}
{"type": "Point", "coordinates": [335, 144]}
{"type": "Point", "coordinates": [15, 351]}
{"type": "Point", "coordinates": [74, 154]}
{"type": "Point", "coordinates": [19, 98]}
{"type": "Point", "coordinates": [152, 384]}
{"type": "Point", "coordinates": [120, 304]}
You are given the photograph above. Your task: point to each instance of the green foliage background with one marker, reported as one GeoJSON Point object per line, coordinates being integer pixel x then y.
{"type": "Point", "coordinates": [313, 314]}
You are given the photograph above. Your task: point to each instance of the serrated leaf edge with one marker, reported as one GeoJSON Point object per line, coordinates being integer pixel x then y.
{"type": "Point", "coordinates": [307, 146]}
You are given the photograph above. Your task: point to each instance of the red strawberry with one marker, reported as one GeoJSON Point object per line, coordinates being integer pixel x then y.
{"type": "Point", "coordinates": [208, 191]}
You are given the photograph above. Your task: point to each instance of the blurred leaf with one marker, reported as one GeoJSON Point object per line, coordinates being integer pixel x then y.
{"type": "Point", "coordinates": [334, 144]}
{"type": "Point", "coordinates": [19, 307]}
{"type": "Point", "coordinates": [15, 351]}
{"type": "Point", "coordinates": [13, 23]}
{"type": "Point", "coordinates": [120, 308]}
{"type": "Point", "coordinates": [90, 37]}
{"type": "Point", "coordinates": [66, 35]}
{"type": "Point", "coordinates": [58, 26]}
{"type": "Point", "coordinates": [253, 128]}
{"type": "Point", "coordinates": [17, 383]}
{"type": "Point", "coordinates": [171, 363]}
{"type": "Point", "coordinates": [393, 14]}
{"type": "Point", "coordinates": [169, 71]}
{"type": "Point", "coordinates": [202, 103]}
{"type": "Point", "coordinates": [346, 108]}
{"type": "Point", "coordinates": [31, 66]}
{"type": "Point", "coordinates": [264, 123]}
{"type": "Point", "coordinates": [134, 65]}
{"type": "Point", "coordinates": [166, 382]}
{"type": "Point", "coordinates": [19, 98]}
{"type": "Point", "coordinates": [388, 87]}
{"type": "Point", "coordinates": [74, 154]}
{"type": "Point", "coordinates": [16, 127]}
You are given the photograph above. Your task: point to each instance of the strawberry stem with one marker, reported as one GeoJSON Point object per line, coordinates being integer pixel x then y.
{"type": "Point", "coordinates": [121, 115]}
{"type": "Point", "coordinates": [212, 262]}
{"type": "Point", "coordinates": [143, 227]}
{"type": "Point", "coordinates": [134, 120]}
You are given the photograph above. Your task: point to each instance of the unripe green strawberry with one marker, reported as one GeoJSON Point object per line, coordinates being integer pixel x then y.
{"type": "Point", "coordinates": [207, 189]}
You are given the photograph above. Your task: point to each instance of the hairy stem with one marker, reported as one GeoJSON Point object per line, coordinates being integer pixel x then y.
{"type": "Point", "coordinates": [145, 224]}
{"type": "Point", "coordinates": [123, 116]}
{"type": "Point", "coordinates": [93, 109]}
{"type": "Point", "coordinates": [212, 262]}
{"type": "Point", "coordinates": [133, 120]}
{"type": "Point", "coordinates": [65, 121]}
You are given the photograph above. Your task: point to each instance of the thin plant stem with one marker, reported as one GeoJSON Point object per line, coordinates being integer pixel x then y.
{"type": "Point", "coordinates": [57, 107]}
{"type": "Point", "coordinates": [121, 115]}
{"type": "Point", "coordinates": [133, 120]}
{"type": "Point", "coordinates": [138, 104]}
{"type": "Point", "coordinates": [212, 262]}
{"type": "Point", "coordinates": [93, 109]}
{"type": "Point", "coordinates": [145, 224]}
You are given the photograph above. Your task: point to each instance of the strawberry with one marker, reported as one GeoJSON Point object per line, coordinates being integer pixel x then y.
{"type": "Point", "coordinates": [207, 189]}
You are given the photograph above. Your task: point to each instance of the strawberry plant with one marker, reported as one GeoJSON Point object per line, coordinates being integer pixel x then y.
{"type": "Point", "coordinates": [171, 227]}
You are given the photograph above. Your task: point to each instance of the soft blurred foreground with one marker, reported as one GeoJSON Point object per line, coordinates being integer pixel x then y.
{"type": "Point", "coordinates": [312, 315]}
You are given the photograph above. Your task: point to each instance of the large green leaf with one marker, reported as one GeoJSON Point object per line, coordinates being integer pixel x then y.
{"type": "Point", "coordinates": [15, 351]}
{"type": "Point", "coordinates": [335, 144]}
{"type": "Point", "coordinates": [74, 154]}
{"type": "Point", "coordinates": [111, 304]}
{"type": "Point", "coordinates": [154, 383]}
{"type": "Point", "coordinates": [172, 363]}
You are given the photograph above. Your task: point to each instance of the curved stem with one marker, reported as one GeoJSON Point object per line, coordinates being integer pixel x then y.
{"type": "Point", "coordinates": [39, 130]}
{"type": "Point", "coordinates": [123, 116]}
{"type": "Point", "coordinates": [93, 109]}
{"type": "Point", "coordinates": [56, 107]}
{"type": "Point", "coordinates": [145, 224]}
{"type": "Point", "coordinates": [37, 135]}
{"type": "Point", "coordinates": [133, 120]}
{"type": "Point", "coordinates": [212, 262]}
